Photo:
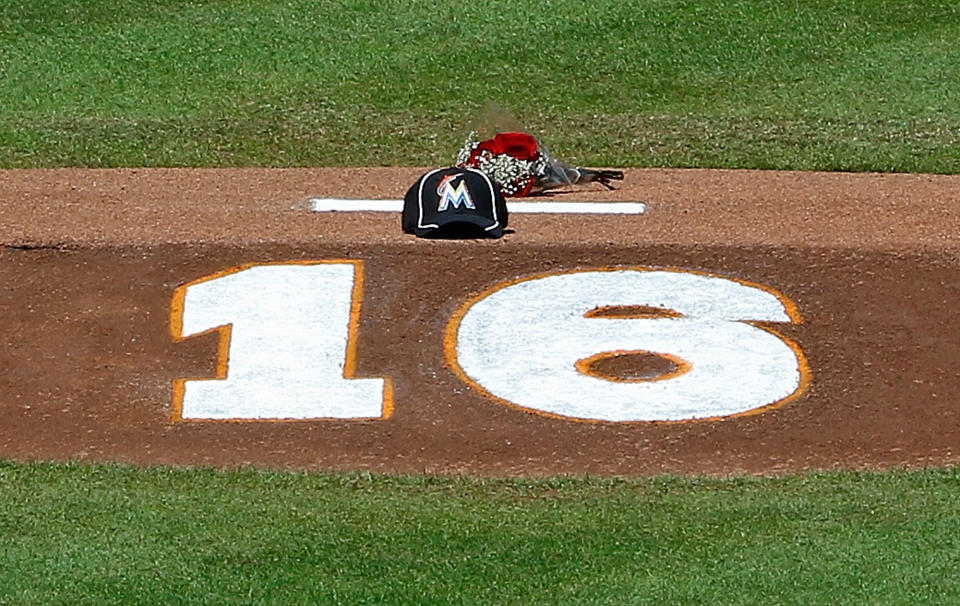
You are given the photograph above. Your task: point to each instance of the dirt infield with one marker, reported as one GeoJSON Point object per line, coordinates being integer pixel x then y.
{"type": "Point", "coordinates": [92, 261]}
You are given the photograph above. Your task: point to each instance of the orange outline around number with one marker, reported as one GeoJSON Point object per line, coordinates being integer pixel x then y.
{"type": "Point", "coordinates": [450, 344]}
{"type": "Point", "coordinates": [223, 349]}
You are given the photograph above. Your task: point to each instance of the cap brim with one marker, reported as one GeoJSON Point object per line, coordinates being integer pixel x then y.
{"type": "Point", "coordinates": [483, 225]}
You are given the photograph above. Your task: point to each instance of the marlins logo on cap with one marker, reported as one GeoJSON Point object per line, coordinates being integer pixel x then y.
{"type": "Point", "coordinates": [454, 201]}
{"type": "Point", "coordinates": [454, 194]}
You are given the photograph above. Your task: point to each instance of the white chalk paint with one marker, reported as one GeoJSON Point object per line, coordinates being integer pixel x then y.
{"type": "Point", "coordinates": [516, 207]}
{"type": "Point", "coordinates": [521, 344]}
{"type": "Point", "coordinates": [289, 345]}
{"type": "Point", "coordinates": [291, 328]}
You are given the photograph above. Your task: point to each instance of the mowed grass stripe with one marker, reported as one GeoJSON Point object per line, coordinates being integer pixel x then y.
{"type": "Point", "coordinates": [863, 85]}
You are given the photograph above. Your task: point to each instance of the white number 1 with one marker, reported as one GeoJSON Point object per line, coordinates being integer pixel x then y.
{"type": "Point", "coordinates": [288, 337]}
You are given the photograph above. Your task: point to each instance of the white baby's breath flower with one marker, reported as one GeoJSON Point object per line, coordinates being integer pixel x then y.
{"type": "Point", "coordinates": [473, 140]}
{"type": "Point", "coordinates": [510, 174]}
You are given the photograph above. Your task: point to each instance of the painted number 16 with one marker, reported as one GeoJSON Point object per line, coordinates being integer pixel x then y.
{"type": "Point", "coordinates": [288, 337]}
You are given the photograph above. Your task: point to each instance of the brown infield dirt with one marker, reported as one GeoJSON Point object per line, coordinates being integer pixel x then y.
{"type": "Point", "coordinates": [90, 261]}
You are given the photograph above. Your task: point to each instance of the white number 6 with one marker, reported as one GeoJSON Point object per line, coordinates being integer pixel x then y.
{"type": "Point", "coordinates": [527, 344]}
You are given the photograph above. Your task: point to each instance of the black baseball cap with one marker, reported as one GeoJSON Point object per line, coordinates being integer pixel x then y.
{"type": "Point", "coordinates": [454, 202]}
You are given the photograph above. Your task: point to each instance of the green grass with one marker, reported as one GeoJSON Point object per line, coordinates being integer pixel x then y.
{"type": "Point", "coordinates": [831, 85]}
{"type": "Point", "coordinates": [87, 534]}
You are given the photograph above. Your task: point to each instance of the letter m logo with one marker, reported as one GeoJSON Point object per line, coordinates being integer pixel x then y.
{"type": "Point", "coordinates": [456, 196]}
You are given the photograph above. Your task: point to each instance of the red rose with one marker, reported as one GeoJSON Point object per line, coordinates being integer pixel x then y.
{"type": "Point", "coordinates": [520, 146]}
{"type": "Point", "coordinates": [517, 145]}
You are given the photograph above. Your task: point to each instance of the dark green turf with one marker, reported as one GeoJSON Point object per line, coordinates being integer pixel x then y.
{"type": "Point", "coordinates": [855, 85]}
{"type": "Point", "coordinates": [77, 534]}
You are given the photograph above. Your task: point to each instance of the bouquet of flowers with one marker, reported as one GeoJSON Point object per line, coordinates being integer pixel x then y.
{"type": "Point", "coordinates": [521, 166]}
